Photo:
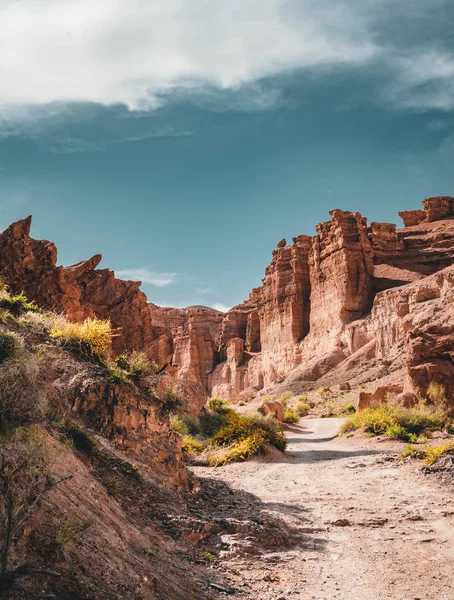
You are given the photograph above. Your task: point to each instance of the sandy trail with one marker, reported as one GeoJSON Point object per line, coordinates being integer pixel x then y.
{"type": "Point", "coordinates": [356, 523]}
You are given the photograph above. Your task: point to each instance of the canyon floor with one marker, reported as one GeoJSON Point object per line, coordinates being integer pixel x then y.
{"type": "Point", "coordinates": [347, 520]}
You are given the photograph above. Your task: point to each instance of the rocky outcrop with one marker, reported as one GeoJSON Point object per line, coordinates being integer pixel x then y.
{"type": "Point", "coordinates": [328, 301]}
{"type": "Point", "coordinates": [79, 290]}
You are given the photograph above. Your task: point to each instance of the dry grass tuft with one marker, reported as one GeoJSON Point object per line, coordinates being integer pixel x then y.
{"type": "Point", "coordinates": [92, 338]}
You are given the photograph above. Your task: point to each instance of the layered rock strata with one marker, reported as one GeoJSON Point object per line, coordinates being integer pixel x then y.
{"type": "Point", "coordinates": [324, 300]}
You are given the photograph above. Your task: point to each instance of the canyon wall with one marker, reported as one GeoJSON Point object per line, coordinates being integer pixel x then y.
{"type": "Point", "coordinates": [323, 299]}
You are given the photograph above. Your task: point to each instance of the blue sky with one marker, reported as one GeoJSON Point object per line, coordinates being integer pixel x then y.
{"type": "Point", "coordinates": [183, 139]}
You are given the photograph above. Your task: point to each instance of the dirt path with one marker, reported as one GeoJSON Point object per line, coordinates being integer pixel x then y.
{"type": "Point", "coordinates": [346, 520]}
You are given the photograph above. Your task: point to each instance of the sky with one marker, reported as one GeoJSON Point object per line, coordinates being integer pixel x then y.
{"type": "Point", "coordinates": [182, 139]}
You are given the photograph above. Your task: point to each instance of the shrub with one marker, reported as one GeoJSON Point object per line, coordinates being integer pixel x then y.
{"type": "Point", "coordinates": [302, 408]}
{"type": "Point", "coordinates": [290, 416]}
{"type": "Point", "coordinates": [285, 397]}
{"type": "Point", "coordinates": [242, 450]}
{"type": "Point", "coordinates": [70, 531]}
{"type": "Point", "coordinates": [393, 420]}
{"type": "Point", "coordinates": [237, 428]}
{"type": "Point", "coordinates": [171, 399]}
{"type": "Point", "coordinates": [432, 453]}
{"type": "Point", "coordinates": [408, 451]}
{"type": "Point", "coordinates": [323, 393]}
{"type": "Point", "coordinates": [92, 338]}
{"type": "Point", "coordinates": [137, 364]}
{"type": "Point", "coordinates": [347, 409]}
{"type": "Point", "coordinates": [191, 446]}
{"type": "Point", "coordinates": [21, 398]}
{"type": "Point", "coordinates": [178, 425]}
{"type": "Point", "coordinates": [117, 375]}
{"type": "Point", "coordinates": [17, 304]}
{"type": "Point", "coordinates": [436, 392]}
{"type": "Point", "coordinates": [219, 405]}
{"type": "Point", "coordinates": [9, 346]}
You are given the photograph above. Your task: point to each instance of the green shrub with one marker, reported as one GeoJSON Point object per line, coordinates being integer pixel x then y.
{"type": "Point", "coordinates": [17, 304]}
{"type": "Point", "coordinates": [347, 409]}
{"type": "Point", "coordinates": [137, 364]}
{"type": "Point", "coordinates": [191, 446]}
{"type": "Point", "coordinates": [432, 453]}
{"type": "Point", "coordinates": [302, 408]}
{"type": "Point", "coordinates": [393, 420]}
{"type": "Point", "coordinates": [117, 375]}
{"type": "Point", "coordinates": [408, 451]}
{"type": "Point", "coordinates": [9, 346]}
{"type": "Point", "coordinates": [129, 468]}
{"type": "Point", "coordinates": [219, 405]}
{"type": "Point", "coordinates": [178, 425]}
{"type": "Point", "coordinates": [290, 416]}
{"type": "Point", "coordinates": [171, 399]}
{"type": "Point", "coordinates": [237, 428]}
{"type": "Point", "coordinates": [241, 450]}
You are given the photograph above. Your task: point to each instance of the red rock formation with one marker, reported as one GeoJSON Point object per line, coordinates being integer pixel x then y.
{"type": "Point", "coordinates": [343, 297]}
{"type": "Point", "coordinates": [80, 290]}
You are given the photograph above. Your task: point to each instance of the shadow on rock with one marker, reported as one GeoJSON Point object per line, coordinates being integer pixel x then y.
{"type": "Point", "coordinates": [230, 522]}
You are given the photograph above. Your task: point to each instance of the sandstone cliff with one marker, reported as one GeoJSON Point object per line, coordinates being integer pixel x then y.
{"type": "Point", "coordinates": [325, 301]}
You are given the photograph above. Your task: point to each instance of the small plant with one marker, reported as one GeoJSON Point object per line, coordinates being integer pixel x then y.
{"type": "Point", "coordinates": [209, 558]}
{"type": "Point", "coordinates": [219, 405]}
{"type": "Point", "coordinates": [179, 425]}
{"type": "Point", "coordinates": [290, 416]}
{"type": "Point", "coordinates": [284, 398]}
{"type": "Point", "coordinates": [191, 446]}
{"type": "Point", "coordinates": [408, 451]}
{"type": "Point", "coordinates": [436, 392]}
{"type": "Point", "coordinates": [92, 338]}
{"type": "Point", "coordinates": [432, 453]}
{"type": "Point", "coordinates": [347, 409]}
{"type": "Point", "coordinates": [70, 532]}
{"type": "Point", "coordinates": [238, 427]}
{"type": "Point", "coordinates": [17, 304]}
{"type": "Point", "coordinates": [129, 468]}
{"type": "Point", "coordinates": [323, 393]}
{"type": "Point", "coordinates": [171, 399]}
{"type": "Point", "coordinates": [302, 408]}
{"type": "Point", "coordinates": [240, 451]}
{"type": "Point", "coordinates": [117, 375]}
{"type": "Point", "coordinates": [9, 346]}
{"type": "Point", "coordinates": [137, 364]}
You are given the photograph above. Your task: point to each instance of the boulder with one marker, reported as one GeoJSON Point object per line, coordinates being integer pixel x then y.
{"type": "Point", "coordinates": [272, 409]}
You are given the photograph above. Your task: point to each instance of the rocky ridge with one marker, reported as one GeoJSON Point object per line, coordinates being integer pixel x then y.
{"type": "Point", "coordinates": [352, 294]}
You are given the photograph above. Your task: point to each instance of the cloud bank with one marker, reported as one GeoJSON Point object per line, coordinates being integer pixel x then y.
{"type": "Point", "coordinates": [127, 51]}
{"type": "Point", "coordinates": [146, 54]}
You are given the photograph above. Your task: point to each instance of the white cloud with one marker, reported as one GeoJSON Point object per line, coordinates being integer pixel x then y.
{"type": "Point", "coordinates": [127, 51]}
{"type": "Point", "coordinates": [147, 275]}
{"type": "Point", "coordinates": [204, 290]}
{"type": "Point", "coordinates": [220, 306]}
{"type": "Point", "coordinates": [425, 80]}
{"type": "Point", "coordinates": [144, 53]}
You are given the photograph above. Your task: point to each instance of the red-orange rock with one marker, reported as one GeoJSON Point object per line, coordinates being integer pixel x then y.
{"type": "Point", "coordinates": [353, 293]}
